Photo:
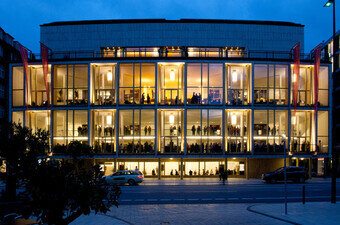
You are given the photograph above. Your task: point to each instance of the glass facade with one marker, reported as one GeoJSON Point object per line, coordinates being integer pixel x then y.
{"type": "Point", "coordinates": [180, 108]}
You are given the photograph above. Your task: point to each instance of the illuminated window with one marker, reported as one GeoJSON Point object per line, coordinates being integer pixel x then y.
{"type": "Point", "coordinates": [204, 52]}
{"type": "Point", "coordinates": [18, 86]}
{"type": "Point", "coordinates": [270, 129]}
{"type": "Point", "coordinates": [38, 120]}
{"type": "Point", "coordinates": [205, 83]}
{"type": "Point", "coordinates": [104, 133]}
{"type": "Point", "coordinates": [70, 84]}
{"type": "Point", "coordinates": [171, 131]}
{"type": "Point", "coordinates": [171, 86]}
{"type": "Point", "coordinates": [238, 131]}
{"type": "Point", "coordinates": [271, 84]}
{"type": "Point", "coordinates": [69, 125]}
{"type": "Point", "coordinates": [237, 83]}
{"type": "Point", "coordinates": [36, 85]}
{"type": "Point", "coordinates": [18, 117]}
{"type": "Point", "coordinates": [137, 83]}
{"type": "Point", "coordinates": [137, 131]}
{"type": "Point", "coordinates": [322, 144]}
{"type": "Point", "coordinates": [104, 84]}
{"type": "Point", "coordinates": [323, 86]}
{"type": "Point", "coordinates": [301, 131]}
{"type": "Point", "coordinates": [204, 131]}
{"type": "Point", "coordinates": [304, 93]}
{"type": "Point", "coordinates": [172, 52]}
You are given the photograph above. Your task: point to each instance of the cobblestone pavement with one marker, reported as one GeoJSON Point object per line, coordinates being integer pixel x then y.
{"type": "Point", "coordinates": [178, 214]}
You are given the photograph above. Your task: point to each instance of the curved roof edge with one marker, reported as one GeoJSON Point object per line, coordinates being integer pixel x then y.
{"type": "Point", "coordinates": [117, 21]}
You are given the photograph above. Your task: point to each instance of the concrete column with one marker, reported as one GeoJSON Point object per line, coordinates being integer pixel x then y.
{"type": "Point", "coordinates": [159, 168]}
{"type": "Point", "coordinates": [247, 168]}
{"type": "Point", "coordinates": [181, 169]}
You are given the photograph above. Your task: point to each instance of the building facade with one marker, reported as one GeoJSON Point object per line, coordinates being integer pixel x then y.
{"type": "Point", "coordinates": [8, 53]}
{"type": "Point", "coordinates": [178, 98]}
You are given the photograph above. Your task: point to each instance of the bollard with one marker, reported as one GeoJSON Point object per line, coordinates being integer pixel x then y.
{"type": "Point", "coordinates": [303, 194]}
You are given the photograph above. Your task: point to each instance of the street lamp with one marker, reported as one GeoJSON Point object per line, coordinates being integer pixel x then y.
{"type": "Point", "coordinates": [334, 161]}
{"type": "Point", "coordinates": [285, 170]}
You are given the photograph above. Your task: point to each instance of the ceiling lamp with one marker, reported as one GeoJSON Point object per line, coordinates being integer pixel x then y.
{"type": "Point", "coordinates": [172, 75]}
{"type": "Point", "coordinates": [234, 76]}
{"type": "Point", "coordinates": [109, 75]}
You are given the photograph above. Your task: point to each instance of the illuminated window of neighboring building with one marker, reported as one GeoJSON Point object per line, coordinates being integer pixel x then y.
{"type": "Point", "coordinates": [171, 85]}
{"type": "Point", "coordinates": [301, 131]}
{"type": "Point", "coordinates": [38, 120]}
{"type": "Point", "coordinates": [238, 131]}
{"type": "Point", "coordinates": [70, 84]}
{"type": "Point", "coordinates": [271, 84]}
{"type": "Point", "coordinates": [237, 83]}
{"type": "Point", "coordinates": [18, 86]}
{"type": "Point", "coordinates": [171, 131]}
{"type": "Point", "coordinates": [304, 93]}
{"type": "Point", "coordinates": [137, 83]}
{"type": "Point", "coordinates": [322, 144]}
{"type": "Point", "coordinates": [270, 129]}
{"type": "Point", "coordinates": [137, 131]}
{"type": "Point", "coordinates": [69, 125]}
{"type": "Point", "coordinates": [205, 83]}
{"type": "Point", "coordinates": [323, 86]}
{"type": "Point", "coordinates": [104, 133]}
{"type": "Point", "coordinates": [36, 84]}
{"type": "Point", "coordinates": [104, 77]}
{"type": "Point", "coordinates": [204, 131]}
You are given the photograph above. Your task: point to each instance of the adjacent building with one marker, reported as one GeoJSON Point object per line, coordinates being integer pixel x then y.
{"type": "Point", "coordinates": [178, 98]}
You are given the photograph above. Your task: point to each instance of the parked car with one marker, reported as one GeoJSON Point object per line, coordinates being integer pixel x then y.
{"type": "Point", "coordinates": [294, 173]}
{"type": "Point", "coordinates": [132, 177]}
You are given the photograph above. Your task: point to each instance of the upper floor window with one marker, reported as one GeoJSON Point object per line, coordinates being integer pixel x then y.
{"type": "Point", "coordinates": [36, 120]}
{"type": "Point", "coordinates": [238, 85]}
{"type": "Point", "coordinates": [37, 94]}
{"type": "Point", "coordinates": [171, 83]}
{"type": "Point", "coordinates": [302, 127]}
{"type": "Point", "coordinates": [104, 135]}
{"type": "Point", "coordinates": [18, 86]}
{"type": "Point", "coordinates": [271, 84]}
{"type": "Point", "coordinates": [205, 83]}
{"type": "Point", "coordinates": [304, 87]}
{"type": "Point", "coordinates": [104, 77]}
{"type": "Point", "coordinates": [137, 83]}
{"type": "Point", "coordinates": [204, 52]}
{"type": "Point", "coordinates": [70, 84]}
{"type": "Point", "coordinates": [323, 86]}
{"type": "Point", "coordinates": [323, 130]}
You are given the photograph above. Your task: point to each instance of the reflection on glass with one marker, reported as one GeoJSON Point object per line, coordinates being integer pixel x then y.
{"type": "Point", "coordinates": [205, 83]}
{"type": "Point", "coordinates": [204, 131]}
{"type": "Point", "coordinates": [171, 135]}
{"type": "Point", "coordinates": [171, 83]}
{"type": "Point", "coordinates": [137, 83]}
{"type": "Point", "coordinates": [237, 84]}
{"type": "Point", "coordinates": [137, 131]}
{"type": "Point", "coordinates": [270, 128]}
{"type": "Point", "coordinates": [70, 84]}
{"type": "Point", "coordinates": [104, 84]}
{"type": "Point", "coordinates": [301, 131]}
{"type": "Point", "coordinates": [237, 131]}
{"type": "Point", "coordinates": [104, 135]}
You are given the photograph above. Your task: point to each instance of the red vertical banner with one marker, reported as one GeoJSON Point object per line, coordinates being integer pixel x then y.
{"type": "Point", "coordinates": [296, 73]}
{"type": "Point", "coordinates": [317, 56]}
{"type": "Point", "coordinates": [24, 57]}
{"type": "Point", "coordinates": [44, 59]}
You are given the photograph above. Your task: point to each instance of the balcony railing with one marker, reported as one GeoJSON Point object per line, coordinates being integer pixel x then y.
{"type": "Point", "coordinates": [178, 52]}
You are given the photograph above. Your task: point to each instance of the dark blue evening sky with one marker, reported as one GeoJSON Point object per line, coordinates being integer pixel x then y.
{"type": "Point", "coordinates": [21, 18]}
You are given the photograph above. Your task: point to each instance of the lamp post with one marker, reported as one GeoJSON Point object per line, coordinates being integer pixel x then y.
{"type": "Point", "coordinates": [334, 160]}
{"type": "Point", "coordinates": [285, 170]}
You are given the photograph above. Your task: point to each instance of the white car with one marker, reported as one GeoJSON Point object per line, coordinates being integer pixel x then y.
{"type": "Point", "coordinates": [132, 177]}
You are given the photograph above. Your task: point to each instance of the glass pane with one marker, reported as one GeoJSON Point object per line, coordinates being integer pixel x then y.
{"type": "Point", "coordinates": [126, 75]}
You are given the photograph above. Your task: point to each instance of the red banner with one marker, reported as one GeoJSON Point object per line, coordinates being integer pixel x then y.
{"type": "Point", "coordinates": [44, 59]}
{"type": "Point", "coordinates": [24, 57]}
{"type": "Point", "coordinates": [296, 73]}
{"type": "Point", "coordinates": [317, 56]}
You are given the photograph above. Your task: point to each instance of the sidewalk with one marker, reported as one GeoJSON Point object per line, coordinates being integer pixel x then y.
{"type": "Point", "coordinates": [310, 213]}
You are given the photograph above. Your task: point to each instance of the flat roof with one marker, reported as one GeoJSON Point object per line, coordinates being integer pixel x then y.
{"type": "Point", "coordinates": [117, 21]}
